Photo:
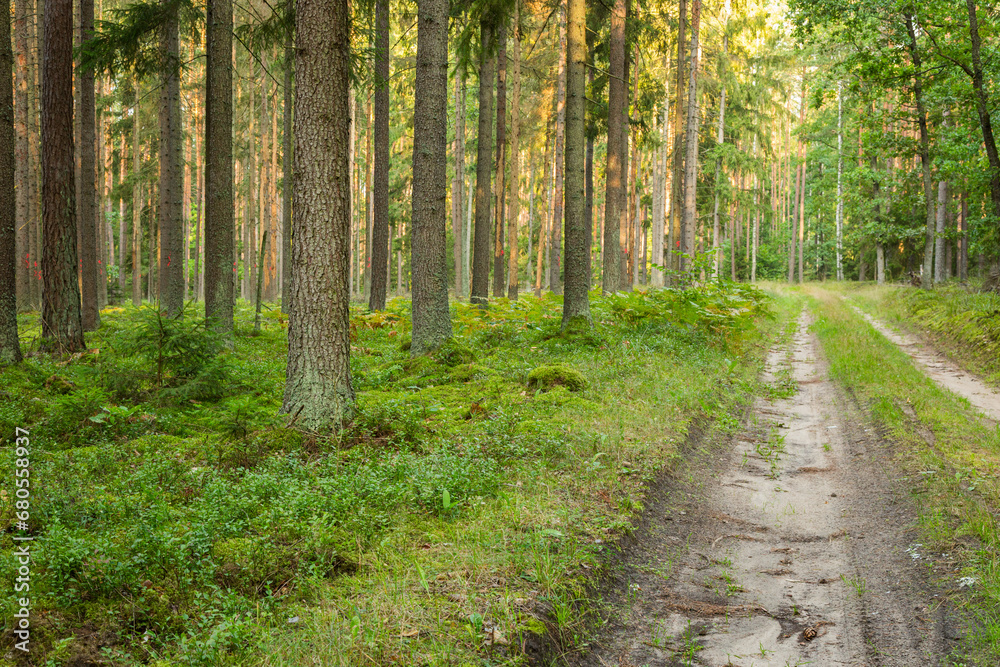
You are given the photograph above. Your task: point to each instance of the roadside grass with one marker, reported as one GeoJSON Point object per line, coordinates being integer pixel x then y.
{"type": "Point", "coordinates": [950, 454]}
{"type": "Point", "coordinates": [963, 323]}
{"type": "Point", "coordinates": [457, 520]}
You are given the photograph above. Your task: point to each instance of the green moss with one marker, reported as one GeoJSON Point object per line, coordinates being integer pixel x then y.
{"type": "Point", "coordinates": [466, 372]}
{"type": "Point", "coordinates": [545, 378]}
{"type": "Point", "coordinates": [453, 353]}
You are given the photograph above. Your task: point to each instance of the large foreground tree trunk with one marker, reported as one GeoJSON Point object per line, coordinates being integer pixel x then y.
{"type": "Point", "coordinates": [982, 107]}
{"type": "Point", "coordinates": [380, 193]}
{"type": "Point", "coordinates": [25, 172]}
{"type": "Point", "coordinates": [10, 348]}
{"type": "Point", "coordinates": [62, 326]}
{"type": "Point", "coordinates": [576, 301]}
{"type": "Point", "coordinates": [481, 248]}
{"type": "Point", "coordinates": [318, 391]}
{"type": "Point", "coordinates": [171, 285]}
{"type": "Point", "coordinates": [558, 207]}
{"type": "Point", "coordinates": [611, 260]}
{"type": "Point", "coordinates": [431, 318]}
{"type": "Point", "coordinates": [219, 245]}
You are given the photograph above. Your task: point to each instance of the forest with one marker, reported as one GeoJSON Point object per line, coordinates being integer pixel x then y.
{"type": "Point", "coordinates": [499, 332]}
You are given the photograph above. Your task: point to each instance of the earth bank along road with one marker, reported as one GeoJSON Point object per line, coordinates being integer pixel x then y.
{"type": "Point", "coordinates": [793, 549]}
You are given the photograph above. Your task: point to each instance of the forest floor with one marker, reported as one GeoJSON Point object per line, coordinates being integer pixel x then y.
{"type": "Point", "coordinates": [840, 526]}
{"type": "Point", "coordinates": [626, 495]}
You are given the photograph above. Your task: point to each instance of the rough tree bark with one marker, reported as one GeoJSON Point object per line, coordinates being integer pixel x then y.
{"type": "Point", "coordinates": [318, 391]}
{"type": "Point", "coordinates": [982, 107]}
{"type": "Point", "coordinates": [380, 187]}
{"type": "Point", "coordinates": [24, 172]}
{"type": "Point", "coordinates": [677, 171]}
{"type": "Point", "coordinates": [611, 270]}
{"type": "Point", "coordinates": [86, 196]}
{"type": "Point", "coordinates": [171, 273]}
{"type": "Point", "coordinates": [286, 177]}
{"type": "Point", "coordinates": [10, 348]}
{"type": "Point", "coordinates": [431, 317]}
{"type": "Point", "coordinates": [691, 146]}
{"type": "Point", "coordinates": [576, 301]}
{"type": "Point", "coordinates": [219, 248]}
{"type": "Point", "coordinates": [62, 326]}
{"type": "Point", "coordinates": [555, 237]}
{"type": "Point", "coordinates": [458, 187]}
{"type": "Point", "coordinates": [481, 249]}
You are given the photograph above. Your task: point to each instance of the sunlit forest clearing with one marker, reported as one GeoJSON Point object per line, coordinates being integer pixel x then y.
{"type": "Point", "coordinates": [505, 332]}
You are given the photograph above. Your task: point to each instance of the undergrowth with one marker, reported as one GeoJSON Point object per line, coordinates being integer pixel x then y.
{"type": "Point", "coordinates": [178, 521]}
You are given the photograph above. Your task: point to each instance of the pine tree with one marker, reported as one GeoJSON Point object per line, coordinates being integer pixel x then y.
{"type": "Point", "coordinates": [431, 316]}
{"type": "Point", "coordinates": [380, 188]}
{"type": "Point", "coordinates": [10, 347]}
{"type": "Point", "coordinates": [318, 391]}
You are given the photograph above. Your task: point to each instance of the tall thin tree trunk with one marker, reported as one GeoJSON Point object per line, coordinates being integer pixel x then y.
{"type": "Point", "coordinates": [171, 191]}
{"type": "Point", "coordinates": [286, 177]}
{"type": "Point", "coordinates": [219, 257]}
{"type": "Point", "coordinates": [611, 269]}
{"type": "Point", "coordinates": [428, 264]}
{"type": "Point", "coordinates": [840, 181]}
{"type": "Point", "coordinates": [480, 255]}
{"type": "Point", "coordinates": [458, 186]}
{"type": "Point", "coordinates": [677, 178]}
{"type": "Point", "coordinates": [940, 267]}
{"type": "Point", "coordinates": [720, 138]}
{"type": "Point", "coordinates": [802, 213]}
{"type": "Point", "coordinates": [556, 228]}
{"type": "Point", "coordinates": [62, 326]}
{"type": "Point", "coordinates": [318, 391]}
{"type": "Point", "coordinates": [87, 185]}
{"type": "Point", "coordinates": [576, 301]}
{"type": "Point", "coordinates": [925, 154]}
{"type": "Point", "coordinates": [380, 194]}
{"type": "Point", "coordinates": [23, 167]}
{"type": "Point", "coordinates": [10, 347]}
{"type": "Point", "coordinates": [499, 189]}
{"type": "Point", "coordinates": [660, 196]}
{"type": "Point", "coordinates": [691, 145]}
{"type": "Point", "coordinates": [514, 183]}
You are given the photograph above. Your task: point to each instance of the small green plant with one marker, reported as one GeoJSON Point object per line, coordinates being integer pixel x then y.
{"type": "Point", "coordinates": [857, 583]}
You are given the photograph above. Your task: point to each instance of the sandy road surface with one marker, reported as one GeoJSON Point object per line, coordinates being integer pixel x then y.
{"type": "Point", "coordinates": [793, 549]}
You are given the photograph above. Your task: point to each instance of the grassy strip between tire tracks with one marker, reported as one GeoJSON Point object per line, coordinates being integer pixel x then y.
{"type": "Point", "coordinates": [178, 522]}
{"type": "Point", "coordinates": [949, 454]}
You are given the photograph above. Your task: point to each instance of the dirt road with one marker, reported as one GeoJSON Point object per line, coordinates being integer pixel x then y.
{"type": "Point", "coordinates": [791, 548]}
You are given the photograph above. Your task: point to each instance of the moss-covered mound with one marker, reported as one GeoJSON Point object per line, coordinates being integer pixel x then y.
{"type": "Point", "coordinates": [547, 377]}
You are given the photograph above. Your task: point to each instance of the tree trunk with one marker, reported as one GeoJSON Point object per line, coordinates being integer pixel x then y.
{"type": "Point", "coordinates": [558, 203]}
{"type": "Point", "coordinates": [660, 197]}
{"type": "Point", "coordinates": [677, 180]}
{"type": "Point", "coordinates": [286, 177]}
{"type": "Point", "coordinates": [23, 167]}
{"type": "Point", "coordinates": [925, 155]}
{"type": "Point", "coordinates": [691, 145]}
{"type": "Point", "coordinates": [720, 138]}
{"type": "Point", "coordinates": [940, 267]}
{"type": "Point", "coordinates": [963, 231]}
{"type": "Point", "coordinates": [458, 186]}
{"type": "Point", "coordinates": [86, 195]}
{"type": "Point", "coordinates": [611, 260]}
{"type": "Point", "coordinates": [171, 276]}
{"type": "Point", "coordinates": [514, 194]}
{"type": "Point", "coordinates": [219, 258]}
{"type": "Point", "coordinates": [481, 250]}
{"type": "Point", "coordinates": [318, 391]}
{"type": "Point", "coordinates": [10, 347]}
{"type": "Point", "coordinates": [802, 214]}
{"type": "Point", "coordinates": [380, 193]}
{"type": "Point", "coordinates": [428, 264]}
{"type": "Point", "coordinates": [499, 187]}
{"type": "Point", "coordinates": [576, 301]}
{"type": "Point", "coordinates": [62, 326]}
{"type": "Point", "coordinates": [840, 183]}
